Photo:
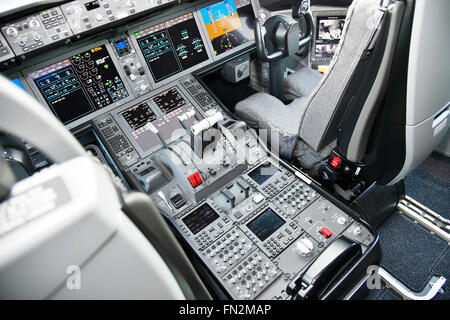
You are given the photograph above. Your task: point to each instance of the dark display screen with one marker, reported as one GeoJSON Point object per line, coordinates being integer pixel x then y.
{"type": "Point", "coordinates": [200, 218]}
{"type": "Point", "coordinates": [328, 34]}
{"type": "Point", "coordinates": [139, 115]}
{"type": "Point", "coordinates": [265, 224]}
{"type": "Point", "coordinates": [169, 100]}
{"type": "Point", "coordinates": [81, 84]}
{"type": "Point", "coordinates": [92, 5]}
{"type": "Point", "coordinates": [264, 173]}
{"type": "Point", "coordinates": [172, 47]}
{"type": "Point", "coordinates": [229, 24]}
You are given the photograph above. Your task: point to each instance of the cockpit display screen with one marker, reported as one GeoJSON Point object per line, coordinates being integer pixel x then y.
{"type": "Point", "coordinates": [172, 46]}
{"type": "Point", "coordinates": [200, 218]}
{"type": "Point", "coordinates": [229, 24]}
{"type": "Point", "coordinates": [92, 5]}
{"type": "Point", "coordinates": [265, 224]}
{"type": "Point", "coordinates": [139, 115]}
{"type": "Point", "coordinates": [264, 173]}
{"type": "Point", "coordinates": [80, 84]}
{"type": "Point", "coordinates": [169, 100]}
{"type": "Point", "coordinates": [328, 34]}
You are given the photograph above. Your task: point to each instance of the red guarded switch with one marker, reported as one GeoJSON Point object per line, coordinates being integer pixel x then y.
{"type": "Point", "coordinates": [326, 232]}
{"type": "Point", "coordinates": [193, 181]}
{"type": "Point", "coordinates": [335, 162]}
{"type": "Point", "coordinates": [198, 178]}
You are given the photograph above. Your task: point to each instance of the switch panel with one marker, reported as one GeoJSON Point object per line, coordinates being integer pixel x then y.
{"type": "Point", "coordinates": [118, 144]}
{"type": "Point", "coordinates": [35, 31]}
{"type": "Point", "coordinates": [7, 56]}
{"type": "Point", "coordinates": [252, 276]}
{"type": "Point", "coordinates": [132, 66]}
{"type": "Point", "coordinates": [86, 15]}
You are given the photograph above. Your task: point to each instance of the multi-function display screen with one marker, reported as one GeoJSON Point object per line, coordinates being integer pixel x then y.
{"type": "Point", "coordinates": [328, 34]}
{"type": "Point", "coordinates": [265, 224]}
{"type": "Point", "coordinates": [139, 115]}
{"type": "Point", "coordinates": [264, 173]}
{"type": "Point", "coordinates": [169, 100]}
{"type": "Point", "coordinates": [81, 84]}
{"type": "Point", "coordinates": [229, 24]}
{"type": "Point", "coordinates": [200, 218]}
{"type": "Point", "coordinates": [172, 46]}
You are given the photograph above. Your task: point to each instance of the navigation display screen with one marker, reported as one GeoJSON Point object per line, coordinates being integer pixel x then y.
{"type": "Point", "coordinates": [265, 224]}
{"type": "Point", "coordinates": [172, 46]}
{"type": "Point", "coordinates": [200, 218]}
{"type": "Point", "coordinates": [80, 85]}
{"type": "Point", "coordinates": [328, 34]}
{"type": "Point", "coordinates": [264, 173]}
{"type": "Point", "coordinates": [229, 24]}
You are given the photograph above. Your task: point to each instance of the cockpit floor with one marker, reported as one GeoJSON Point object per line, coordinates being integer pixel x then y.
{"type": "Point", "coordinates": [429, 184]}
{"type": "Point", "coordinates": [410, 252]}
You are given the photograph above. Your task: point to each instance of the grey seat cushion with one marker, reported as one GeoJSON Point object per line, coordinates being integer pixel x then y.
{"type": "Point", "coordinates": [301, 83]}
{"type": "Point", "coordinates": [263, 111]}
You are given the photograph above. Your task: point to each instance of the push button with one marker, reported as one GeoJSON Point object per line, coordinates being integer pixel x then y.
{"type": "Point", "coordinates": [335, 162]}
{"type": "Point", "coordinates": [192, 180]}
{"type": "Point", "coordinates": [195, 179]}
{"type": "Point", "coordinates": [326, 232]}
{"type": "Point", "coordinates": [198, 178]}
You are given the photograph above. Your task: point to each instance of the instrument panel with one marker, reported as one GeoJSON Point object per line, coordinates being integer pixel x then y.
{"type": "Point", "coordinates": [81, 84]}
{"type": "Point", "coordinates": [171, 47]}
{"type": "Point", "coordinates": [113, 70]}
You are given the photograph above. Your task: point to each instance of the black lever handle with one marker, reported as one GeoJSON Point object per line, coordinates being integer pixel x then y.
{"type": "Point", "coordinates": [328, 266]}
{"type": "Point", "coordinates": [261, 45]}
{"type": "Point", "coordinates": [304, 9]}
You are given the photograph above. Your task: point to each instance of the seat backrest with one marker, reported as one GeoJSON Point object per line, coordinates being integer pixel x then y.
{"type": "Point", "coordinates": [428, 83]}
{"type": "Point", "coordinates": [414, 115]}
{"type": "Point", "coordinates": [329, 101]}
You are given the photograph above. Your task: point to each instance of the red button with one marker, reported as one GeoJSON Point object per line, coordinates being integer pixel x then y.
{"type": "Point", "coordinates": [198, 178]}
{"type": "Point", "coordinates": [335, 162]}
{"type": "Point", "coordinates": [192, 180]}
{"type": "Point", "coordinates": [326, 232]}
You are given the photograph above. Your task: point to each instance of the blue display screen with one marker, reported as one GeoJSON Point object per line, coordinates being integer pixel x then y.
{"type": "Point", "coordinates": [17, 82]}
{"type": "Point", "coordinates": [121, 45]}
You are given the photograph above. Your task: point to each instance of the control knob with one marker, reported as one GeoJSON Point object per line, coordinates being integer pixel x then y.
{"type": "Point", "coordinates": [34, 24]}
{"type": "Point", "coordinates": [357, 231]}
{"type": "Point", "coordinates": [304, 247]}
{"type": "Point", "coordinates": [341, 220]}
{"type": "Point", "coordinates": [12, 32]}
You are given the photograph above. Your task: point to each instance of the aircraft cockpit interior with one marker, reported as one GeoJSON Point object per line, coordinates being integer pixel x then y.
{"type": "Point", "coordinates": [224, 150]}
